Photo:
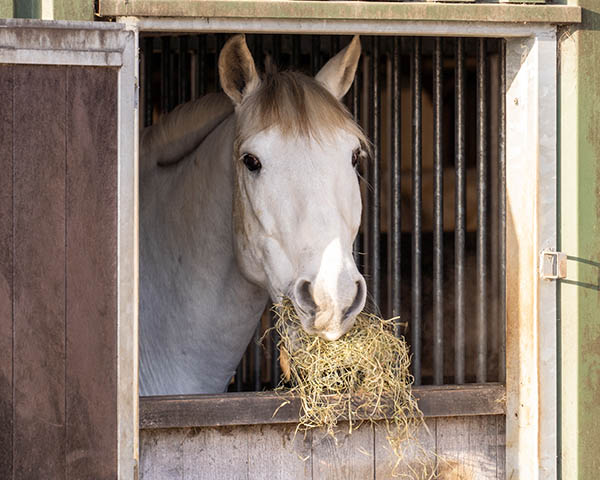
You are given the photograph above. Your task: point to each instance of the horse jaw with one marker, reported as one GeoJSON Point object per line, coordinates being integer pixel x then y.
{"type": "Point", "coordinates": [294, 225]}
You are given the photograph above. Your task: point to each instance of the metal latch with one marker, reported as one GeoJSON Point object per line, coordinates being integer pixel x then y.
{"type": "Point", "coordinates": [553, 265]}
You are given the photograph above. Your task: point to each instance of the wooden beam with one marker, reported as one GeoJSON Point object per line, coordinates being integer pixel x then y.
{"type": "Point", "coordinates": [271, 407]}
{"type": "Point", "coordinates": [419, 11]}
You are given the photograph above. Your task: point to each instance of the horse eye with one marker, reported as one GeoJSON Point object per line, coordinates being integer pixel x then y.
{"type": "Point", "coordinates": [356, 157]}
{"type": "Point", "coordinates": [252, 163]}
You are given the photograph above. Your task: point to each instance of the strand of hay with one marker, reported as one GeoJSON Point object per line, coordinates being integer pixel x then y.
{"type": "Point", "coordinates": [363, 376]}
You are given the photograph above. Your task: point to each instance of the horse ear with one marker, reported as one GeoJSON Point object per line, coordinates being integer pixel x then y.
{"type": "Point", "coordinates": [237, 71]}
{"type": "Point", "coordinates": [338, 73]}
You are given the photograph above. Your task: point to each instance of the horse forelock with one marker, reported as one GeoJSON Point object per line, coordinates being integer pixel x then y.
{"type": "Point", "coordinates": [297, 105]}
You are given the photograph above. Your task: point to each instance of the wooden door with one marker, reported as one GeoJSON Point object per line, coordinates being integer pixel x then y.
{"type": "Point", "coordinates": [62, 87]}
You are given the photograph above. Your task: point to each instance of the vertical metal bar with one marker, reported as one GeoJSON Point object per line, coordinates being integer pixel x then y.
{"type": "Point", "coordinates": [396, 230]}
{"type": "Point", "coordinates": [164, 74]}
{"type": "Point", "coordinates": [201, 63]}
{"type": "Point", "coordinates": [184, 68]}
{"type": "Point", "coordinates": [172, 85]}
{"type": "Point", "coordinates": [459, 214]}
{"type": "Point", "coordinates": [502, 214]}
{"type": "Point", "coordinates": [356, 86]}
{"type": "Point", "coordinates": [148, 97]}
{"type": "Point", "coordinates": [315, 56]}
{"type": "Point", "coordinates": [482, 174]}
{"type": "Point", "coordinates": [256, 348]}
{"type": "Point", "coordinates": [296, 50]}
{"type": "Point", "coordinates": [415, 71]}
{"type": "Point", "coordinates": [219, 42]}
{"type": "Point", "coordinates": [438, 217]}
{"type": "Point", "coordinates": [238, 377]}
{"type": "Point", "coordinates": [374, 225]}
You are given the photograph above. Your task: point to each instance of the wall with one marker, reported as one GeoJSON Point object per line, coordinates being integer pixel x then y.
{"type": "Point", "coordinates": [579, 238]}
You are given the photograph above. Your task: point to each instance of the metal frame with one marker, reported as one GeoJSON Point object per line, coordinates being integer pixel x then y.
{"type": "Point", "coordinates": [106, 45]}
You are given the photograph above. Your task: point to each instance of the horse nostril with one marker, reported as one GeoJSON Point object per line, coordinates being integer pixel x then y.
{"type": "Point", "coordinates": [359, 300]}
{"type": "Point", "coordinates": [304, 298]}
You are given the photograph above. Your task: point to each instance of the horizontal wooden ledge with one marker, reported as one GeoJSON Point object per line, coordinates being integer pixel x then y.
{"type": "Point", "coordinates": [258, 408]}
{"type": "Point", "coordinates": [353, 10]}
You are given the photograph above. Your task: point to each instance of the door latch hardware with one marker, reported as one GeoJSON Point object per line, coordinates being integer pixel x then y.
{"type": "Point", "coordinates": [553, 265]}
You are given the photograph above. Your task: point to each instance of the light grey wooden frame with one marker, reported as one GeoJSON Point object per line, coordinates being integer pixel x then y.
{"type": "Point", "coordinates": [531, 157]}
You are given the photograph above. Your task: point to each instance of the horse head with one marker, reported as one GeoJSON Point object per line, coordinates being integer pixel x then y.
{"type": "Point", "coordinates": [297, 204]}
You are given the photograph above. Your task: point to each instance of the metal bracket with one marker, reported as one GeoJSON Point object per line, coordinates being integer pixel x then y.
{"type": "Point", "coordinates": [553, 265]}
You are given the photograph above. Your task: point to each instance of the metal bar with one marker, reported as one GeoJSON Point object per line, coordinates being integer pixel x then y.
{"type": "Point", "coordinates": [356, 97]}
{"type": "Point", "coordinates": [296, 51]}
{"type": "Point", "coordinates": [257, 357]}
{"type": "Point", "coordinates": [438, 217]}
{"type": "Point", "coordinates": [502, 214]}
{"type": "Point", "coordinates": [459, 214]}
{"type": "Point", "coordinates": [374, 204]}
{"type": "Point", "coordinates": [148, 97]}
{"type": "Point", "coordinates": [396, 230]}
{"type": "Point", "coordinates": [415, 72]}
{"type": "Point", "coordinates": [315, 57]}
{"type": "Point", "coordinates": [219, 42]}
{"type": "Point", "coordinates": [238, 377]}
{"type": "Point", "coordinates": [275, 367]}
{"type": "Point", "coordinates": [171, 74]}
{"type": "Point", "coordinates": [164, 74]}
{"type": "Point", "coordinates": [201, 74]}
{"type": "Point", "coordinates": [482, 233]}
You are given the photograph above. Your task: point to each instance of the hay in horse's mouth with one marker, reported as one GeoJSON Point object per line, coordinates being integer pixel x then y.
{"type": "Point", "coordinates": [361, 377]}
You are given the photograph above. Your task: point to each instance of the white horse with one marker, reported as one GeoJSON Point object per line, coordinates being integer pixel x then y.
{"type": "Point", "coordinates": [243, 198]}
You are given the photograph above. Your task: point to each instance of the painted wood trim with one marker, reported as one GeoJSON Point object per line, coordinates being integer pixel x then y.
{"type": "Point", "coordinates": [531, 169]}
{"type": "Point", "coordinates": [271, 407]}
{"type": "Point", "coordinates": [128, 260]}
{"type": "Point", "coordinates": [45, 42]}
{"type": "Point", "coordinates": [422, 11]}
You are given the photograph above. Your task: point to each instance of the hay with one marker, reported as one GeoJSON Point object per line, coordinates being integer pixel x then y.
{"type": "Point", "coordinates": [362, 377]}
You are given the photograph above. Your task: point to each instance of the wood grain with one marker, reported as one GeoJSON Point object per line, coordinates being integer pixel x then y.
{"type": "Point", "coordinates": [39, 267]}
{"type": "Point", "coordinates": [467, 447]}
{"type": "Point", "coordinates": [91, 271]}
{"type": "Point", "coordinates": [161, 454]}
{"type": "Point", "coordinates": [277, 452]}
{"type": "Point", "coordinates": [6, 274]}
{"type": "Point", "coordinates": [418, 455]}
{"type": "Point", "coordinates": [347, 457]}
{"type": "Point", "coordinates": [260, 408]}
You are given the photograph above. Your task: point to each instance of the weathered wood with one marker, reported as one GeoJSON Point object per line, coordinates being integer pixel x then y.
{"type": "Point", "coordinates": [501, 448]}
{"type": "Point", "coordinates": [260, 408]}
{"type": "Point", "coordinates": [418, 455]}
{"type": "Point", "coordinates": [467, 447]}
{"type": "Point", "coordinates": [161, 454]}
{"type": "Point", "coordinates": [349, 456]}
{"type": "Point", "coordinates": [277, 452]}
{"type": "Point", "coordinates": [6, 275]}
{"type": "Point", "coordinates": [91, 271]}
{"type": "Point", "coordinates": [216, 453]}
{"type": "Point", "coordinates": [39, 267]}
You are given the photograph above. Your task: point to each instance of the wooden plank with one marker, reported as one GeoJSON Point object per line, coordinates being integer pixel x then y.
{"type": "Point", "coordinates": [403, 11]}
{"type": "Point", "coordinates": [467, 447]}
{"type": "Point", "coordinates": [161, 454]}
{"type": "Point", "coordinates": [91, 373]}
{"type": "Point", "coordinates": [39, 272]}
{"type": "Point", "coordinates": [277, 452]}
{"type": "Point", "coordinates": [347, 457]}
{"type": "Point", "coordinates": [259, 408]}
{"type": "Point", "coordinates": [6, 275]}
{"type": "Point", "coordinates": [501, 448]}
{"type": "Point", "coordinates": [216, 454]}
{"type": "Point", "coordinates": [418, 455]}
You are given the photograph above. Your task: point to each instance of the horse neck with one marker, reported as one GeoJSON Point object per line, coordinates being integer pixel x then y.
{"type": "Point", "coordinates": [212, 309]}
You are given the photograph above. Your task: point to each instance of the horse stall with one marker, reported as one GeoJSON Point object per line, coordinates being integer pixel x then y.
{"type": "Point", "coordinates": [459, 193]}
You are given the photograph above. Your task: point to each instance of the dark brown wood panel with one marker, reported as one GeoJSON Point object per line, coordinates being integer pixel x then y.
{"type": "Point", "coordinates": [6, 243]}
{"type": "Point", "coordinates": [91, 383]}
{"type": "Point", "coordinates": [39, 271]}
{"type": "Point", "coordinates": [259, 408]}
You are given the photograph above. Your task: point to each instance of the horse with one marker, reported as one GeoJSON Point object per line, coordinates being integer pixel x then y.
{"type": "Point", "coordinates": [245, 195]}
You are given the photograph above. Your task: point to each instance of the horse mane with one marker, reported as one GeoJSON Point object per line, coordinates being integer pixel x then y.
{"type": "Point", "coordinates": [298, 105]}
{"type": "Point", "coordinates": [179, 132]}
